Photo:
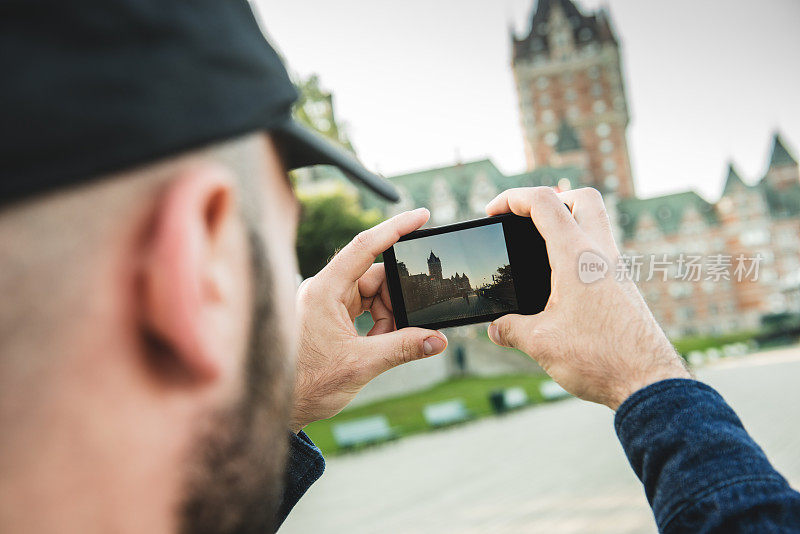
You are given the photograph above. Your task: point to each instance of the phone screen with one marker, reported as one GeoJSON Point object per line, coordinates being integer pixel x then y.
{"type": "Point", "coordinates": [468, 272]}
{"type": "Point", "coordinates": [456, 275]}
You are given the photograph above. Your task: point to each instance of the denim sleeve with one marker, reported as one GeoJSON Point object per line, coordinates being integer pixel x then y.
{"type": "Point", "coordinates": [304, 466]}
{"type": "Point", "coordinates": [701, 471]}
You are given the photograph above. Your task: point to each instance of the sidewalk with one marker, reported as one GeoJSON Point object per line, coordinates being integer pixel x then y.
{"type": "Point", "coordinates": [553, 468]}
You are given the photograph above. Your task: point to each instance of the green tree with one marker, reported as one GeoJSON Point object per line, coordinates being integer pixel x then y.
{"type": "Point", "coordinates": [332, 211]}
{"type": "Point", "coordinates": [330, 220]}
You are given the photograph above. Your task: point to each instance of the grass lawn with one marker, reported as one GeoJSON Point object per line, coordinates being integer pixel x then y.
{"type": "Point", "coordinates": [405, 412]}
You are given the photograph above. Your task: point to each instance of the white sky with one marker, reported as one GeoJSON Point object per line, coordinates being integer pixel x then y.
{"type": "Point", "coordinates": [419, 83]}
{"type": "Point", "coordinates": [476, 252]}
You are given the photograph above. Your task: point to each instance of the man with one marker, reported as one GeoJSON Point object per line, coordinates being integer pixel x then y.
{"type": "Point", "coordinates": [148, 279]}
{"type": "Point", "coordinates": [148, 327]}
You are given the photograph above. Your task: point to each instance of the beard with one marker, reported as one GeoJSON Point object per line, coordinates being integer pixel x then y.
{"type": "Point", "coordinates": [236, 475]}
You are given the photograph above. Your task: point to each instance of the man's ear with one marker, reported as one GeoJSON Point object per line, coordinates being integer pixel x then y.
{"type": "Point", "coordinates": [194, 250]}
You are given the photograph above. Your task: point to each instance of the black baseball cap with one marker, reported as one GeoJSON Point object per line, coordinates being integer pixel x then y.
{"type": "Point", "coordinates": [98, 86]}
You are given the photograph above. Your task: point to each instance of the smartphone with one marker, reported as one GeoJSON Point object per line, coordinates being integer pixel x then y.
{"type": "Point", "coordinates": [468, 272]}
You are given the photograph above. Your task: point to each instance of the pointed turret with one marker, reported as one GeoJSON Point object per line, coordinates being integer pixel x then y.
{"type": "Point", "coordinates": [585, 29]}
{"type": "Point", "coordinates": [733, 181]}
{"type": "Point", "coordinates": [780, 156]}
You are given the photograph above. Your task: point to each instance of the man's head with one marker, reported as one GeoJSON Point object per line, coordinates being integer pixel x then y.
{"type": "Point", "coordinates": [147, 272]}
{"type": "Point", "coordinates": [147, 341]}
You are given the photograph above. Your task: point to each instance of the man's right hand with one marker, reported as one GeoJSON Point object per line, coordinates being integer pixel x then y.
{"type": "Point", "coordinates": [598, 340]}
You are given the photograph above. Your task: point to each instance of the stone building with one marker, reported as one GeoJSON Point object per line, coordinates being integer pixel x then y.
{"type": "Point", "coordinates": [752, 220]}
{"type": "Point", "coordinates": [574, 116]}
{"type": "Point", "coordinates": [424, 289]}
{"type": "Point", "coordinates": [758, 220]}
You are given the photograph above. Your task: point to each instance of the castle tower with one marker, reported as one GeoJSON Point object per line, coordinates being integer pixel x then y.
{"type": "Point", "coordinates": [402, 270]}
{"type": "Point", "coordinates": [783, 169]}
{"type": "Point", "coordinates": [434, 266]}
{"type": "Point", "coordinates": [568, 67]}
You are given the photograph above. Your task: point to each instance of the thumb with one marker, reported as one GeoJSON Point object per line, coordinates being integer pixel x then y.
{"type": "Point", "coordinates": [402, 346]}
{"type": "Point", "coordinates": [512, 330]}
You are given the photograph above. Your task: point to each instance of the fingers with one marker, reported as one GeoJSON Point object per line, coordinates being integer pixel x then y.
{"type": "Point", "coordinates": [382, 316]}
{"type": "Point", "coordinates": [371, 281]}
{"type": "Point", "coordinates": [401, 346]}
{"type": "Point", "coordinates": [551, 217]}
{"type": "Point", "coordinates": [357, 256]}
{"type": "Point", "coordinates": [541, 204]}
{"type": "Point", "coordinates": [590, 213]}
{"type": "Point", "coordinates": [514, 330]}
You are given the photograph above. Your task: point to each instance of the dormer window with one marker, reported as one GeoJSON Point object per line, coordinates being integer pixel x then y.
{"type": "Point", "coordinates": [585, 34]}
{"type": "Point", "coordinates": [561, 39]}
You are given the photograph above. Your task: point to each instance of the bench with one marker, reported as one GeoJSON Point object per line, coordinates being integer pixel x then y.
{"type": "Point", "coordinates": [446, 413]}
{"type": "Point", "coordinates": [365, 431]}
{"type": "Point", "coordinates": [503, 400]}
{"type": "Point", "coordinates": [550, 390]}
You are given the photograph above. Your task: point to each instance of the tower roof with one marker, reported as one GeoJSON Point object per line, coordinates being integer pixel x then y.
{"type": "Point", "coordinates": [733, 180]}
{"type": "Point", "coordinates": [780, 154]}
{"type": "Point", "coordinates": [567, 138]}
{"type": "Point", "coordinates": [432, 257]}
{"type": "Point", "coordinates": [585, 28]}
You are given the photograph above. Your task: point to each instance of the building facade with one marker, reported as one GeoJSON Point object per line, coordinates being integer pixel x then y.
{"type": "Point", "coordinates": [757, 221]}
{"type": "Point", "coordinates": [421, 290]}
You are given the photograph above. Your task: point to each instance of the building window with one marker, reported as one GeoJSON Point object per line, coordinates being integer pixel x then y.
{"type": "Point", "coordinates": [754, 236]}
{"type": "Point", "coordinates": [603, 129]}
{"type": "Point", "coordinates": [609, 165]}
{"type": "Point", "coordinates": [619, 102]}
{"type": "Point", "coordinates": [544, 100]}
{"type": "Point", "coordinates": [606, 146]}
{"type": "Point", "coordinates": [611, 182]}
{"type": "Point", "coordinates": [599, 106]}
{"type": "Point", "coordinates": [680, 290]}
{"type": "Point", "coordinates": [594, 72]}
{"type": "Point", "coordinates": [568, 77]}
{"type": "Point", "coordinates": [573, 112]}
{"type": "Point", "coordinates": [548, 116]}
{"type": "Point", "coordinates": [542, 82]}
{"type": "Point", "coordinates": [551, 138]}
{"type": "Point", "coordinates": [597, 89]}
{"type": "Point", "coordinates": [570, 95]}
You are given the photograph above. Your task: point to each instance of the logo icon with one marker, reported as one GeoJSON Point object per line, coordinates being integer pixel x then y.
{"type": "Point", "coordinates": [591, 267]}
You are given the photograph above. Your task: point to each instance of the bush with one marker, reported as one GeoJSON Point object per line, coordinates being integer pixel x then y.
{"type": "Point", "coordinates": [329, 221]}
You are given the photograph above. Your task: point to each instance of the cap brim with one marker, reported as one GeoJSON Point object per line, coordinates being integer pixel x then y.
{"type": "Point", "coordinates": [302, 147]}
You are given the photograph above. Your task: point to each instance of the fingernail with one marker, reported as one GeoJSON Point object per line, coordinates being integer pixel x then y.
{"type": "Point", "coordinates": [433, 345]}
{"type": "Point", "coordinates": [493, 333]}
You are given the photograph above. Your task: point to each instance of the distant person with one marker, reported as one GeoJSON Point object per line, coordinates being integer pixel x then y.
{"type": "Point", "coordinates": [460, 359]}
{"type": "Point", "coordinates": [157, 365]}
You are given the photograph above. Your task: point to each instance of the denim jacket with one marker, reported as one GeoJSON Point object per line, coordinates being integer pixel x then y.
{"type": "Point", "coordinates": [701, 471]}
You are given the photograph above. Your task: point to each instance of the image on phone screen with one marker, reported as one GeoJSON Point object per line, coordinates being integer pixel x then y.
{"type": "Point", "coordinates": [456, 275]}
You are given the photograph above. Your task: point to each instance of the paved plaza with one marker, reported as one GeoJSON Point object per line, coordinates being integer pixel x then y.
{"type": "Point", "coordinates": [553, 469]}
{"type": "Point", "coordinates": [457, 308]}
